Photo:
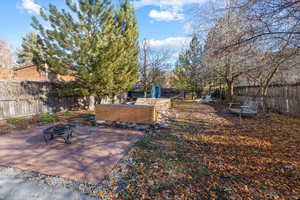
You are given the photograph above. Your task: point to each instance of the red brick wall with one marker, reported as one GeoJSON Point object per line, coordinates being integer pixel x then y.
{"type": "Point", "coordinates": [29, 74]}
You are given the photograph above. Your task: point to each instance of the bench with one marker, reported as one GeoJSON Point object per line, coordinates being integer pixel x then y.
{"type": "Point", "coordinates": [247, 108]}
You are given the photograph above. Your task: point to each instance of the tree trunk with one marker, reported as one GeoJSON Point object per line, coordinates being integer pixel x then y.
{"type": "Point", "coordinates": [145, 68]}
{"type": "Point", "coordinates": [112, 99]}
{"type": "Point", "coordinates": [266, 85]}
{"type": "Point", "coordinates": [91, 106]}
{"type": "Point", "coordinates": [264, 92]}
{"type": "Point", "coordinates": [145, 92]}
{"type": "Point", "coordinates": [230, 92]}
{"type": "Point", "coordinates": [198, 93]}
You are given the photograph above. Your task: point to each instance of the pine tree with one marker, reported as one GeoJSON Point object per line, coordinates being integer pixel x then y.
{"type": "Point", "coordinates": [188, 68]}
{"type": "Point", "coordinates": [127, 49]}
{"type": "Point", "coordinates": [31, 49]}
{"type": "Point", "coordinates": [89, 44]}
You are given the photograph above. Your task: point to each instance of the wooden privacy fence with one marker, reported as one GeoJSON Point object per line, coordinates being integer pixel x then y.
{"type": "Point", "coordinates": [18, 99]}
{"type": "Point", "coordinates": [280, 98]}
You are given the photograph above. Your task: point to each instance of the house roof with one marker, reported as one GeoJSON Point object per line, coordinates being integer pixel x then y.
{"type": "Point", "coordinates": [23, 67]}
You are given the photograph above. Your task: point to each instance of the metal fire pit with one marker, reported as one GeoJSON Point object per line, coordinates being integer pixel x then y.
{"type": "Point", "coordinates": [59, 130]}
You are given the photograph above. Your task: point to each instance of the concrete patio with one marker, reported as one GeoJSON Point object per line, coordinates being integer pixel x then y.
{"type": "Point", "coordinates": [92, 154]}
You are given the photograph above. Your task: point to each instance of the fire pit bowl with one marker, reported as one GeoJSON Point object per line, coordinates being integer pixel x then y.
{"type": "Point", "coordinates": [62, 130]}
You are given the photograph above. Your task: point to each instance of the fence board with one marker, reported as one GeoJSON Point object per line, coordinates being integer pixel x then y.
{"type": "Point", "coordinates": [19, 99]}
{"type": "Point", "coordinates": [284, 99]}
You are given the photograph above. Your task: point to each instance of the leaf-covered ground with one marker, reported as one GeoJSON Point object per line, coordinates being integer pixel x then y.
{"type": "Point", "coordinates": [210, 154]}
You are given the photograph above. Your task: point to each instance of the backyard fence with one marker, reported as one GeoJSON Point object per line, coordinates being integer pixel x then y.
{"type": "Point", "coordinates": [281, 98]}
{"type": "Point", "coordinates": [18, 99]}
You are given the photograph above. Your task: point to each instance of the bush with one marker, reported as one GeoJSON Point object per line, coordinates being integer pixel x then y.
{"type": "Point", "coordinates": [67, 114]}
{"type": "Point", "coordinates": [15, 120]}
{"type": "Point", "coordinates": [48, 118]}
{"type": "Point", "coordinates": [86, 115]}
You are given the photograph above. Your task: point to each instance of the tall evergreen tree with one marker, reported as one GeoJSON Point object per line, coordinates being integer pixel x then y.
{"type": "Point", "coordinates": [188, 67]}
{"type": "Point", "coordinates": [31, 49]}
{"type": "Point", "coordinates": [89, 44]}
{"type": "Point", "coordinates": [127, 48]}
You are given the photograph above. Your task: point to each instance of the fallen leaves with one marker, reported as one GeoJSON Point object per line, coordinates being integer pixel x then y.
{"type": "Point", "coordinates": [209, 154]}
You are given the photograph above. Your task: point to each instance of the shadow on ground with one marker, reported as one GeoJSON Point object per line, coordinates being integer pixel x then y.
{"type": "Point", "coordinates": [210, 154]}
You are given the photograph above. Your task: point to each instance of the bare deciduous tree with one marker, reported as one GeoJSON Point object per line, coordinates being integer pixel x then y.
{"type": "Point", "coordinates": [6, 61]}
{"type": "Point", "coordinates": [254, 40]}
{"type": "Point", "coordinates": [228, 65]}
{"type": "Point", "coordinates": [153, 66]}
{"type": "Point", "coordinates": [6, 58]}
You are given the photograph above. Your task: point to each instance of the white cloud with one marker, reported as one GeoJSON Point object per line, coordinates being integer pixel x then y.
{"type": "Point", "coordinates": [170, 10]}
{"type": "Point", "coordinates": [160, 3]}
{"type": "Point", "coordinates": [189, 28]}
{"type": "Point", "coordinates": [31, 6]}
{"type": "Point", "coordinates": [165, 15]}
{"type": "Point", "coordinates": [172, 44]}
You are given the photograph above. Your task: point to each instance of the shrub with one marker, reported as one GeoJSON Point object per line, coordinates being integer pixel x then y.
{"type": "Point", "coordinates": [86, 115]}
{"type": "Point", "coordinates": [67, 114]}
{"type": "Point", "coordinates": [48, 118]}
{"type": "Point", "coordinates": [15, 120]}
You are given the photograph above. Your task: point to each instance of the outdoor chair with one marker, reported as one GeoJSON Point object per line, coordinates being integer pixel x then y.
{"type": "Point", "coordinates": [205, 100]}
{"type": "Point", "coordinates": [247, 108]}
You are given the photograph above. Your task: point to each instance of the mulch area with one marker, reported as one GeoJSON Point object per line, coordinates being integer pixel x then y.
{"type": "Point", "coordinates": [210, 154]}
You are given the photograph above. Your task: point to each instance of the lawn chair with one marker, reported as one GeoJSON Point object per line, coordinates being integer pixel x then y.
{"type": "Point", "coordinates": [247, 108]}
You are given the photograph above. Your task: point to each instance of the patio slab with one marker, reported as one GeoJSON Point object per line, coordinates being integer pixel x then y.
{"type": "Point", "coordinates": [93, 152]}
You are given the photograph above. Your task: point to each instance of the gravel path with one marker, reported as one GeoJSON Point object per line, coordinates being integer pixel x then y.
{"type": "Point", "coordinates": [14, 188]}
{"type": "Point", "coordinates": [18, 185]}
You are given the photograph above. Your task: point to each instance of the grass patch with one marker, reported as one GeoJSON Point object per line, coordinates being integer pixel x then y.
{"type": "Point", "coordinates": [48, 118]}
{"type": "Point", "coordinates": [15, 120]}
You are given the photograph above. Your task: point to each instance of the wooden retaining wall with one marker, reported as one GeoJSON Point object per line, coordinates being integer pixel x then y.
{"type": "Point", "coordinates": [139, 114]}
{"type": "Point", "coordinates": [160, 104]}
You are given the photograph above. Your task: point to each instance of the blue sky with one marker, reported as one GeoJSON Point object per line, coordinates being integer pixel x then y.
{"type": "Point", "coordinates": [164, 22]}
